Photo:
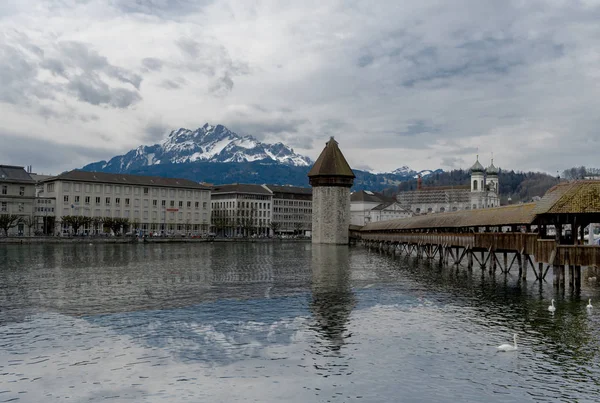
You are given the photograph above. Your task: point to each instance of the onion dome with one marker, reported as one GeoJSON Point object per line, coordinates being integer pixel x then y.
{"type": "Point", "coordinates": [477, 167]}
{"type": "Point", "coordinates": [492, 170]}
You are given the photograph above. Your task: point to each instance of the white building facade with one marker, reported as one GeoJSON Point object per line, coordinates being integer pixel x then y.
{"type": "Point", "coordinates": [292, 209]}
{"type": "Point", "coordinates": [17, 197]}
{"type": "Point", "coordinates": [241, 210]}
{"type": "Point", "coordinates": [367, 207]}
{"type": "Point", "coordinates": [150, 204]}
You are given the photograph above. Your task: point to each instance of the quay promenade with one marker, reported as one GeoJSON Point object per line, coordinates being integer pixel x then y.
{"type": "Point", "coordinates": [547, 234]}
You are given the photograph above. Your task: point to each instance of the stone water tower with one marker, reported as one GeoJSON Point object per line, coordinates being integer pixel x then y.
{"type": "Point", "coordinates": [331, 179]}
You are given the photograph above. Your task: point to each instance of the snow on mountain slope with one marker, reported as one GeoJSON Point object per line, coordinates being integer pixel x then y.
{"type": "Point", "coordinates": [208, 143]}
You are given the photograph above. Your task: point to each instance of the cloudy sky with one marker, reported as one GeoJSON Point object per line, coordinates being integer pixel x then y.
{"type": "Point", "coordinates": [420, 83]}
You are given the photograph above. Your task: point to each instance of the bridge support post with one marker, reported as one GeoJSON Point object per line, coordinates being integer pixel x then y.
{"type": "Point", "coordinates": [520, 263]}
{"type": "Point", "coordinates": [577, 278]}
{"type": "Point", "coordinates": [571, 276]}
{"type": "Point", "coordinates": [562, 276]}
{"type": "Point", "coordinates": [493, 265]}
{"type": "Point", "coordinates": [470, 259]}
{"type": "Point", "coordinates": [506, 269]}
{"type": "Point", "coordinates": [525, 262]}
{"type": "Point", "coordinates": [555, 275]}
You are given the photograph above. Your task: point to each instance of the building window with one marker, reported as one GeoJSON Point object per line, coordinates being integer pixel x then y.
{"type": "Point", "coordinates": [87, 199]}
{"type": "Point", "coordinates": [475, 185]}
{"type": "Point", "coordinates": [4, 206]}
{"type": "Point", "coordinates": [197, 204]}
{"type": "Point", "coordinates": [145, 191]}
{"type": "Point", "coordinates": [5, 189]}
{"type": "Point", "coordinates": [21, 207]}
{"type": "Point", "coordinates": [203, 204]}
{"type": "Point", "coordinates": [180, 204]}
{"type": "Point", "coordinates": [97, 200]}
{"type": "Point", "coordinates": [22, 191]}
{"type": "Point", "coordinates": [118, 201]}
{"type": "Point", "coordinates": [117, 190]}
{"type": "Point", "coordinates": [172, 203]}
{"type": "Point", "coordinates": [189, 204]}
{"type": "Point", "coordinates": [126, 202]}
{"type": "Point", "coordinates": [66, 199]}
{"type": "Point", "coordinates": [108, 189]}
{"type": "Point", "coordinates": [107, 201]}
{"type": "Point", "coordinates": [66, 187]}
{"type": "Point", "coordinates": [163, 203]}
{"type": "Point", "coordinates": [154, 203]}
{"type": "Point", "coordinates": [76, 199]}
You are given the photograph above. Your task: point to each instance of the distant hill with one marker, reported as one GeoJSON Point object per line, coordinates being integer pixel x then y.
{"type": "Point", "coordinates": [519, 186]}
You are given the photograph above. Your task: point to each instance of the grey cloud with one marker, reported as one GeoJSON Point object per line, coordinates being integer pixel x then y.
{"type": "Point", "coordinates": [47, 156]}
{"type": "Point", "coordinates": [189, 47]}
{"type": "Point", "coordinates": [365, 60]}
{"type": "Point", "coordinates": [154, 132]}
{"type": "Point", "coordinates": [419, 126]}
{"type": "Point", "coordinates": [170, 85]}
{"type": "Point", "coordinates": [80, 55]}
{"type": "Point", "coordinates": [89, 88]}
{"type": "Point", "coordinates": [453, 162]}
{"type": "Point", "coordinates": [161, 8]}
{"type": "Point", "coordinates": [152, 63]}
{"type": "Point", "coordinates": [54, 65]}
{"type": "Point", "coordinates": [17, 75]}
{"type": "Point", "coordinates": [222, 86]}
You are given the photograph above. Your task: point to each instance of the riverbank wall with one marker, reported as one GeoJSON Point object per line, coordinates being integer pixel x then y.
{"type": "Point", "coordinates": [125, 240]}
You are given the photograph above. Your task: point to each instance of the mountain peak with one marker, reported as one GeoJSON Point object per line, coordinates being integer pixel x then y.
{"type": "Point", "coordinates": [208, 143]}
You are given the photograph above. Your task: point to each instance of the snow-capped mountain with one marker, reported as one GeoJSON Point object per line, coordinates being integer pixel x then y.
{"type": "Point", "coordinates": [207, 144]}
{"type": "Point", "coordinates": [408, 172]}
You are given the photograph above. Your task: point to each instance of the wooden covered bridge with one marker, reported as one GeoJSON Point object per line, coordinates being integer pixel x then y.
{"type": "Point", "coordinates": [548, 233]}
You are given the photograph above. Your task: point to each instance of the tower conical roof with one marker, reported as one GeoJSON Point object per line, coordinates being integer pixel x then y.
{"type": "Point", "coordinates": [331, 168]}
{"type": "Point", "coordinates": [477, 167]}
{"type": "Point", "coordinates": [331, 162]}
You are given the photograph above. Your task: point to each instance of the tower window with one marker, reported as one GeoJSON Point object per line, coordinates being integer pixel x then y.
{"type": "Point", "coordinates": [475, 185]}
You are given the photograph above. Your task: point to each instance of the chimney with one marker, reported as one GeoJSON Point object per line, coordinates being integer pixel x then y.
{"type": "Point", "coordinates": [419, 182]}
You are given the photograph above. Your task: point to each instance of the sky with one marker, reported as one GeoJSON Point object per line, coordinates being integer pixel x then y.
{"type": "Point", "coordinates": [428, 84]}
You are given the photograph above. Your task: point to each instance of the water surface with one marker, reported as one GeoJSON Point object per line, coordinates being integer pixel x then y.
{"type": "Point", "coordinates": [271, 322]}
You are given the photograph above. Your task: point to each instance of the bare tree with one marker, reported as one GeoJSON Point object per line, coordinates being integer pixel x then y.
{"type": "Point", "coordinates": [298, 227]}
{"type": "Point", "coordinates": [76, 221]}
{"type": "Point", "coordinates": [275, 225]}
{"type": "Point", "coordinates": [30, 222]}
{"type": "Point", "coordinates": [8, 221]}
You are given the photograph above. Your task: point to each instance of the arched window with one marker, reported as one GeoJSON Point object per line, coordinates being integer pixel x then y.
{"type": "Point", "coordinates": [429, 210]}
{"type": "Point", "coordinates": [418, 210]}
{"type": "Point", "coordinates": [442, 209]}
{"type": "Point", "coordinates": [482, 188]}
{"type": "Point", "coordinates": [474, 185]}
{"type": "Point", "coordinates": [455, 208]}
{"type": "Point", "coordinates": [474, 206]}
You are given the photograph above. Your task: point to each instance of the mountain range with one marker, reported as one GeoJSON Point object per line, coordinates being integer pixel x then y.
{"type": "Point", "coordinates": [217, 155]}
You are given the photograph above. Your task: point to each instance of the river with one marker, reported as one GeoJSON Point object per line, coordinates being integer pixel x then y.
{"type": "Point", "coordinates": [271, 322]}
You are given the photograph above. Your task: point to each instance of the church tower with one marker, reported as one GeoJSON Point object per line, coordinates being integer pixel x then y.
{"type": "Point", "coordinates": [331, 179]}
{"type": "Point", "coordinates": [493, 185]}
{"type": "Point", "coordinates": [477, 185]}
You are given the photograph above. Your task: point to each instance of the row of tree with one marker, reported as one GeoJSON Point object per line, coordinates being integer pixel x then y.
{"type": "Point", "coordinates": [246, 224]}
{"type": "Point", "coordinates": [114, 224]}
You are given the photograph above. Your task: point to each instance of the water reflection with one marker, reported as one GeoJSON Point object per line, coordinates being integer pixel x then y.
{"type": "Point", "coordinates": [281, 322]}
{"type": "Point", "coordinates": [332, 297]}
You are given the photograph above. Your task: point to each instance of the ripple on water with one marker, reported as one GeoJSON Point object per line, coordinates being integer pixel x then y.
{"type": "Point", "coordinates": [280, 322]}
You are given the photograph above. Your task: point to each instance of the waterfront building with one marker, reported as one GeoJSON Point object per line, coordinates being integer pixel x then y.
{"type": "Point", "coordinates": [331, 178]}
{"type": "Point", "coordinates": [292, 209]}
{"type": "Point", "coordinates": [149, 203]}
{"type": "Point", "coordinates": [483, 192]}
{"type": "Point", "coordinates": [17, 195]}
{"type": "Point", "coordinates": [241, 210]}
{"type": "Point", "coordinates": [367, 206]}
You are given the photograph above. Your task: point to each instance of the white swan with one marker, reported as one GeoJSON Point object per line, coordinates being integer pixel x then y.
{"type": "Point", "coordinates": [551, 308]}
{"type": "Point", "coordinates": [508, 347]}
{"type": "Point", "coordinates": [589, 305]}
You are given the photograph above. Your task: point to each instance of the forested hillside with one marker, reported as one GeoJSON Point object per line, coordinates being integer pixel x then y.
{"type": "Point", "coordinates": [519, 186]}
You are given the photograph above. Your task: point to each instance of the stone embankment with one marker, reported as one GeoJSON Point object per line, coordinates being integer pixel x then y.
{"type": "Point", "coordinates": [120, 240]}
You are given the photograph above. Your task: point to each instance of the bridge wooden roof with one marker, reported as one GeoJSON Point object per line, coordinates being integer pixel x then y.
{"type": "Point", "coordinates": [577, 197]}
{"type": "Point", "coordinates": [518, 214]}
